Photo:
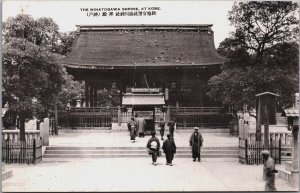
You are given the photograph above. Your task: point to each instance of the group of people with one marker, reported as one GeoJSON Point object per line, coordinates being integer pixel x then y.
{"type": "Point", "coordinates": [169, 146]}
{"type": "Point", "coordinates": [137, 126]}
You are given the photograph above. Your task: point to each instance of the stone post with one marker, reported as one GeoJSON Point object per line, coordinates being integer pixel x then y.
{"type": "Point", "coordinates": [295, 158]}
{"type": "Point", "coordinates": [168, 113]}
{"type": "Point", "coordinates": [119, 116]}
{"type": "Point", "coordinates": [44, 131]}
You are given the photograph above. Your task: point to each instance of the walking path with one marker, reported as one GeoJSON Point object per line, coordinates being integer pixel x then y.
{"type": "Point", "coordinates": [137, 174]}
{"type": "Point", "coordinates": [122, 139]}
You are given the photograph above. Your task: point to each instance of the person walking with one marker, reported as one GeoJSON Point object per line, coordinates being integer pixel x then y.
{"type": "Point", "coordinates": [169, 149]}
{"type": "Point", "coordinates": [171, 125]}
{"type": "Point", "coordinates": [196, 141]}
{"type": "Point", "coordinates": [141, 126]}
{"type": "Point", "coordinates": [133, 127]}
{"type": "Point", "coordinates": [161, 125]}
{"type": "Point", "coordinates": [153, 146]}
{"type": "Point", "coordinates": [269, 170]}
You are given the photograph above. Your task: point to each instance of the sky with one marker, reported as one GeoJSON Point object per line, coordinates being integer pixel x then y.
{"type": "Point", "coordinates": [67, 14]}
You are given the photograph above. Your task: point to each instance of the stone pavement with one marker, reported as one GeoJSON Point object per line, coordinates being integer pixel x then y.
{"type": "Point", "coordinates": [122, 139]}
{"type": "Point", "coordinates": [139, 174]}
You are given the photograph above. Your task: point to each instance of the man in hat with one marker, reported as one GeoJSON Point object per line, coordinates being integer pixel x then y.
{"type": "Point", "coordinates": [196, 141]}
{"type": "Point", "coordinates": [169, 148]}
{"type": "Point", "coordinates": [269, 170]}
{"type": "Point", "coordinates": [153, 146]}
{"type": "Point", "coordinates": [161, 125]}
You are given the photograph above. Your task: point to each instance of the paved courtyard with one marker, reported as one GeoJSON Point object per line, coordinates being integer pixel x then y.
{"type": "Point", "coordinates": [132, 174]}
{"type": "Point", "coordinates": [137, 174]}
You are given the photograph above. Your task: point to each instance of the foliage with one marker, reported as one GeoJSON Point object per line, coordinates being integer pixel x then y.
{"type": "Point", "coordinates": [33, 79]}
{"type": "Point", "coordinates": [261, 24]}
{"type": "Point", "coordinates": [30, 75]}
{"type": "Point", "coordinates": [71, 89]}
{"type": "Point", "coordinates": [261, 55]}
{"type": "Point", "coordinates": [109, 97]}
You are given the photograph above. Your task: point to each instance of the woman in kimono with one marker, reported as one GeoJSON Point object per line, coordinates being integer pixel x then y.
{"type": "Point", "coordinates": [169, 148]}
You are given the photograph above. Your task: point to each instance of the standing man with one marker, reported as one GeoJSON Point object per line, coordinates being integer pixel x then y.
{"type": "Point", "coordinates": [269, 170]}
{"type": "Point", "coordinates": [169, 148]}
{"type": "Point", "coordinates": [171, 125]}
{"type": "Point", "coordinates": [133, 127]}
{"type": "Point", "coordinates": [153, 145]}
{"type": "Point", "coordinates": [196, 142]}
{"type": "Point", "coordinates": [141, 126]}
{"type": "Point", "coordinates": [161, 125]}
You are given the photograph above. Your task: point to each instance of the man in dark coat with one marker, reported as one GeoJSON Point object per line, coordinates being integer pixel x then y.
{"type": "Point", "coordinates": [171, 125]}
{"type": "Point", "coordinates": [133, 127]}
{"type": "Point", "coordinates": [169, 148]}
{"type": "Point", "coordinates": [153, 146]}
{"type": "Point", "coordinates": [196, 142]}
{"type": "Point", "coordinates": [161, 125]}
{"type": "Point", "coordinates": [269, 169]}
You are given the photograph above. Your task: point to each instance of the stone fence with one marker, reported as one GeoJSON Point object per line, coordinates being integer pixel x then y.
{"type": "Point", "coordinates": [42, 133]}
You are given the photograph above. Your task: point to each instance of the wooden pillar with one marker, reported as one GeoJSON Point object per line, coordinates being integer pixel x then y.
{"type": "Point", "coordinates": [95, 97]}
{"type": "Point", "coordinates": [91, 96]}
{"type": "Point", "coordinates": [87, 94]}
{"type": "Point", "coordinates": [154, 118]}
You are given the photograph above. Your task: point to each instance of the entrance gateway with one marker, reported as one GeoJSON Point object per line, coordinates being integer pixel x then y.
{"type": "Point", "coordinates": [144, 102]}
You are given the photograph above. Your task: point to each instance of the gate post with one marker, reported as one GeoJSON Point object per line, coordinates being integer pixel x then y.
{"type": "Point", "coordinates": [119, 116]}
{"type": "Point", "coordinates": [168, 113]}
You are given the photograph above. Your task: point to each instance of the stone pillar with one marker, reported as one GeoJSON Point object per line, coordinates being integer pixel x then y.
{"type": "Point", "coordinates": [295, 158]}
{"type": "Point", "coordinates": [44, 132]}
{"type": "Point", "coordinates": [168, 113]}
{"type": "Point", "coordinates": [78, 102]}
{"type": "Point", "coordinates": [119, 116]}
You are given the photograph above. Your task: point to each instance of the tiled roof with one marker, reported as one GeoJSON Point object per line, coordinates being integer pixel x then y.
{"type": "Point", "coordinates": [143, 45]}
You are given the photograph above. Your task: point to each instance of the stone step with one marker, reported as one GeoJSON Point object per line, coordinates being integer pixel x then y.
{"type": "Point", "coordinates": [288, 165]}
{"type": "Point", "coordinates": [284, 174]}
{"type": "Point", "coordinates": [129, 148]}
{"type": "Point", "coordinates": [133, 155]}
{"type": "Point", "coordinates": [6, 174]}
{"type": "Point", "coordinates": [133, 152]}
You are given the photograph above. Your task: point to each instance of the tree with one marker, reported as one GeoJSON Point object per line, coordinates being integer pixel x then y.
{"type": "Point", "coordinates": [261, 55]}
{"type": "Point", "coordinates": [109, 97]}
{"type": "Point", "coordinates": [261, 24]}
{"type": "Point", "coordinates": [33, 80]}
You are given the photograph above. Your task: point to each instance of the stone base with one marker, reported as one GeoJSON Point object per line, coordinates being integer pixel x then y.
{"type": "Point", "coordinates": [6, 174]}
{"type": "Point", "coordinates": [290, 176]}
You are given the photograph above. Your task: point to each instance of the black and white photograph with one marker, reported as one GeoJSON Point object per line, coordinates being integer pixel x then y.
{"type": "Point", "coordinates": [150, 96]}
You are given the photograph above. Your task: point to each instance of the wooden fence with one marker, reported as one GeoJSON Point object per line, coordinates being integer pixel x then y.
{"type": "Point", "coordinates": [249, 151]}
{"type": "Point", "coordinates": [200, 117]}
{"type": "Point", "coordinates": [88, 117]}
{"type": "Point", "coordinates": [28, 151]}
{"type": "Point", "coordinates": [185, 117]}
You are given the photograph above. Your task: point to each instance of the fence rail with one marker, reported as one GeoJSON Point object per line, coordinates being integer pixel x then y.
{"type": "Point", "coordinates": [184, 116]}
{"type": "Point", "coordinates": [28, 151]}
{"type": "Point", "coordinates": [249, 151]}
{"type": "Point", "coordinates": [191, 120]}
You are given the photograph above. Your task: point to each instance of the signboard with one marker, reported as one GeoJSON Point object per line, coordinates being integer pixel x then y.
{"type": "Point", "coordinates": [147, 90]}
{"type": "Point", "coordinates": [166, 94]}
